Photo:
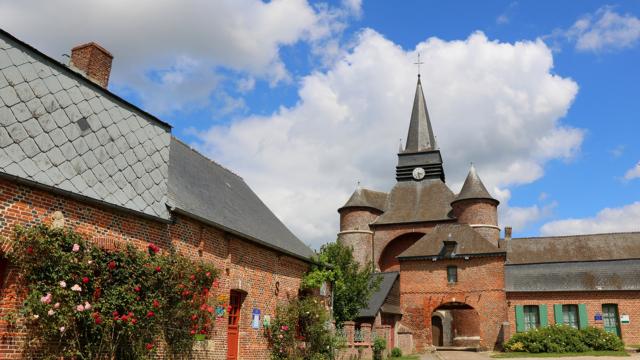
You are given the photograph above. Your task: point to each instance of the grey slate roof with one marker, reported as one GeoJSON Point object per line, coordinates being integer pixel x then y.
{"type": "Point", "coordinates": [468, 242]}
{"type": "Point", "coordinates": [377, 299]}
{"type": "Point", "coordinates": [592, 247]}
{"type": "Point", "coordinates": [417, 201]}
{"type": "Point", "coordinates": [420, 136]}
{"type": "Point", "coordinates": [574, 276]}
{"type": "Point", "coordinates": [60, 130]}
{"type": "Point", "coordinates": [200, 187]}
{"type": "Point", "coordinates": [366, 198]}
{"type": "Point", "coordinates": [473, 188]}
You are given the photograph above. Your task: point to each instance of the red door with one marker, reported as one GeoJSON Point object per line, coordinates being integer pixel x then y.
{"type": "Point", "coordinates": [235, 302]}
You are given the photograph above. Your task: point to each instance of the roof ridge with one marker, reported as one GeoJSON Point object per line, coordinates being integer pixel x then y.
{"type": "Point", "coordinates": [575, 235]}
{"type": "Point", "coordinates": [205, 157]}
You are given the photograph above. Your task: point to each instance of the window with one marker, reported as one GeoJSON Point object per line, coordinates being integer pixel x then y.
{"type": "Point", "coordinates": [452, 274]}
{"type": "Point", "coordinates": [531, 317]}
{"type": "Point", "coordinates": [610, 318]}
{"type": "Point", "coordinates": [570, 315]}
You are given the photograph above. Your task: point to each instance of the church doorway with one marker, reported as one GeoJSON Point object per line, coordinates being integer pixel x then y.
{"type": "Point", "coordinates": [455, 324]}
{"type": "Point", "coordinates": [388, 261]}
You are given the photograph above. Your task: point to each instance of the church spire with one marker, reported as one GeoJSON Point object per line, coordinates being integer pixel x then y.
{"type": "Point", "coordinates": [420, 159]}
{"type": "Point", "coordinates": [420, 137]}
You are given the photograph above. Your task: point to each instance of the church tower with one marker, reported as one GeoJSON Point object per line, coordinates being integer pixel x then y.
{"type": "Point", "coordinates": [421, 158]}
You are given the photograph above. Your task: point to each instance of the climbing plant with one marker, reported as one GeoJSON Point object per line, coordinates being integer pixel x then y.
{"type": "Point", "coordinates": [85, 302]}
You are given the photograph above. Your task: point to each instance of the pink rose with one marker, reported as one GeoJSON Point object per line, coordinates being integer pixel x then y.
{"type": "Point", "coordinates": [80, 308]}
{"type": "Point", "coordinates": [51, 312]}
{"type": "Point", "coordinates": [75, 248]}
{"type": "Point", "coordinates": [56, 305]}
{"type": "Point", "coordinates": [63, 284]}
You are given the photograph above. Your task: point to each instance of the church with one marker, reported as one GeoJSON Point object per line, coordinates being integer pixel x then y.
{"type": "Point", "coordinates": [451, 278]}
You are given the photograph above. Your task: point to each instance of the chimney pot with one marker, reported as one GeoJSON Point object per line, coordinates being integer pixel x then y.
{"type": "Point", "coordinates": [507, 233]}
{"type": "Point", "coordinates": [93, 61]}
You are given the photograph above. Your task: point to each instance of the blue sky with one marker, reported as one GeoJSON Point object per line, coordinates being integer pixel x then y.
{"type": "Point", "coordinates": [304, 99]}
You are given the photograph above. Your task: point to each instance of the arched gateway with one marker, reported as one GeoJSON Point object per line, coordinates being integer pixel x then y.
{"type": "Point", "coordinates": [455, 324]}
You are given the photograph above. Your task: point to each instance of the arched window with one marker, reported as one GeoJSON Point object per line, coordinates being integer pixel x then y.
{"type": "Point", "coordinates": [388, 258]}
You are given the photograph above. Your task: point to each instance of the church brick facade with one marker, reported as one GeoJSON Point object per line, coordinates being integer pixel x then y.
{"type": "Point", "coordinates": [460, 284]}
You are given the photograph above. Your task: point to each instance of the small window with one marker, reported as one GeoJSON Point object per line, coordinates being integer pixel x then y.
{"type": "Point", "coordinates": [570, 315]}
{"type": "Point", "coordinates": [452, 274]}
{"type": "Point", "coordinates": [531, 317]}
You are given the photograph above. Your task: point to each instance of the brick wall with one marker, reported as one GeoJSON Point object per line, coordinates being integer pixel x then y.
{"type": "Point", "coordinates": [385, 234]}
{"type": "Point", "coordinates": [477, 211]}
{"type": "Point", "coordinates": [243, 265]}
{"type": "Point", "coordinates": [424, 288]}
{"type": "Point", "coordinates": [355, 232]}
{"type": "Point", "coordinates": [628, 303]}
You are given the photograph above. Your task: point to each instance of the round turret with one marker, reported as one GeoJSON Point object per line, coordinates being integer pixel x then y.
{"type": "Point", "coordinates": [476, 207]}
{"type": "Point", "coordinates": [362, 209]}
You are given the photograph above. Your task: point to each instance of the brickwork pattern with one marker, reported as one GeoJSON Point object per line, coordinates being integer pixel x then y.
{"type": "Point", "coordinates": [424, 288]}
{"type": "Point", "coordinates": [267, 277]}
{"type": "Point", "coordinates": [628, 303]}
{"type": "Point", "coordinates": [477, 211]}
{"type": "Point", "coordinates": [384, 234]}
{"type": "Point", "coordinates": [93, 60]}
{"type": "Point", "coordinates": [355, 232]}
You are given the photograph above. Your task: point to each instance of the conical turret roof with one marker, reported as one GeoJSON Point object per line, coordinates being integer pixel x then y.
{"type": "Point", "coordinates": [366, 198]}
{"type": "Point", "coordinates": [420, 137]}
{"type": "Point", "coordinates": [473, 188]}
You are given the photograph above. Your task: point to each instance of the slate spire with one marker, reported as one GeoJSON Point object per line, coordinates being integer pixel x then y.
{"type": "Point", "coordinates": [420, 137]}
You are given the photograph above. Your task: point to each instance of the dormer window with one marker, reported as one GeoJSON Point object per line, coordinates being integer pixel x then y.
{"type": "Point", "coordinates": [452, 274]}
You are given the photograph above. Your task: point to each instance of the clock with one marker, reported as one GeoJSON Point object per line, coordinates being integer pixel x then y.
{"type": "Point", "coordinates": [418, 173]}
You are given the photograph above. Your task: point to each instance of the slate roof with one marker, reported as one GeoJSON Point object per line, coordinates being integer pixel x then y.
{"type": "Point", "coordinates": [60, 130]}
{"type": "Point", "coordinates": [468, 242]}
{"type": "Point", "coordinates": [592, 247]}
{"type": "Point", "coordinates": [377, 299]}
{"type": "Point", "coordinates": [200, 187]}
{"type": "Point", "coordinates": [574, 276]}
{"type": "Point", "coordinates": [473, 188]}
{"type": "Point", "coordinates": [417, 201]}
{"type": "Point", "coordinates": [366, 198]}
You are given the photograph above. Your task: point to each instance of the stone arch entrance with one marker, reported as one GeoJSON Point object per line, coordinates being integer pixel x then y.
{"type": "Point", "coordinates": [388, 260]}
{"type": "Point", "coordinates": [458, 323]}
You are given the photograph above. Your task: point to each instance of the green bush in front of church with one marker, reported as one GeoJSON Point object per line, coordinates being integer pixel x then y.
{"type": "Point", "coordinates": [564, 339]}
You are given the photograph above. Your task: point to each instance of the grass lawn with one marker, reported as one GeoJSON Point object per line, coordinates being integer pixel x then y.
{"type": "Point", "coordinates": [546, 355]}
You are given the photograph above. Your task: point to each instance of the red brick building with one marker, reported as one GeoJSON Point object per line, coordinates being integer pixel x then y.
{"type": "Point", "coordinates": [450, 280]}
{"type": "Point", "coordinates": [75, 153]}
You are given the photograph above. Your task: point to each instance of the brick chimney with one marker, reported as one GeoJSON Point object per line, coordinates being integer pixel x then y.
{"type": "Point", "coordinates": [93, 61]}
{"type": "Point", "coordinates": [507, 233]}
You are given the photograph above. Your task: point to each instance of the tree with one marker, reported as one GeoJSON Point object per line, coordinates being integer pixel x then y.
{"type": "Point", "coordinates": [352, 285]}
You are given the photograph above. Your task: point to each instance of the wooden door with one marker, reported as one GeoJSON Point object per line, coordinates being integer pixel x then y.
{"type": "Point", "coordinates": [235, 303]}
{"type": "Point", "coordinates": [436, 331]}
{"type": "Point", "coordinates": [610, 318]}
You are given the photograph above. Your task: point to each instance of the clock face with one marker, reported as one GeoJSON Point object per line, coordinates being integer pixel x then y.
{"type": "Point", "coordinates": [418, 173]}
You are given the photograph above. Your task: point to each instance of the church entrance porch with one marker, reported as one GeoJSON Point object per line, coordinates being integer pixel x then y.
{"type": "Point", "coordinates": [455, 324]}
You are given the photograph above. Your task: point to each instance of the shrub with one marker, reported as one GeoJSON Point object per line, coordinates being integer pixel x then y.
{"type": "Point", "coordinates": [561, 339]}
{"type": "Point", "coordinates": [379, 344]}
{"type": "Point", "coordinates": [396, 352]}
{"type": "Point", "coordinates": [85, 302]}
{"type": "Point", "coordinates": [299, 331]}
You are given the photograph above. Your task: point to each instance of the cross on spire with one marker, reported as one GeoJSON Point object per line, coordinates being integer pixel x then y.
{"type": "Point", "coordinates": [418, 63]}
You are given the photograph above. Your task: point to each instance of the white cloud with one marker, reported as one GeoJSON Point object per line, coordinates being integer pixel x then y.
{"type": "Point", "coordinates": [633, 173]}
{"type": "Point", "coordinates": [605, 30]}
{"type": "Point", "coordinates": [496, 104]}
{"type": "Point", "coordinates": [148, 36]}
{"type": "Point", "coordinates": [620, 219]}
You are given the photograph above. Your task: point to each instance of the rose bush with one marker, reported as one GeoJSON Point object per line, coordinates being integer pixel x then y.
{"type": "Point", "coordinates": [85, 302]}
{"type": "Point", "coordinates": [301, 330]}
